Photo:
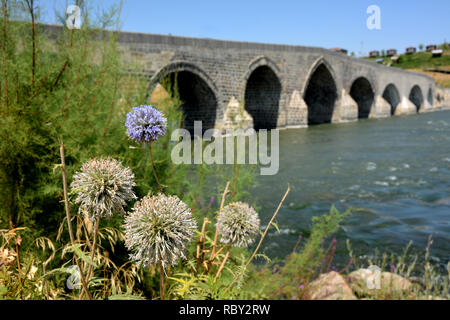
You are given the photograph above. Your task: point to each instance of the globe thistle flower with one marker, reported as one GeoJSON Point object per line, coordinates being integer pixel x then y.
{"type": "Point", "coordinates": [158, 230]}
{"type": "Point", "coordinates": [238, 223]}
{"type": "Point", "coordinates": [145, 124]}
{"type": "Point", "coordinates": [103, 186]}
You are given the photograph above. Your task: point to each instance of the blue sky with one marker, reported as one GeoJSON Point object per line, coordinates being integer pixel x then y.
{"type": "Point", "coordinates": [321, 23]}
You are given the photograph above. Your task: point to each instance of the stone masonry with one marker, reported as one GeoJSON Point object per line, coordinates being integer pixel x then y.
{"type": "Point", "coordinates": [239, 84]}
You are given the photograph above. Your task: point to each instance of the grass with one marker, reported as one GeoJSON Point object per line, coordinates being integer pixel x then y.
{"type": "Point", "coordinates": [420, 61]}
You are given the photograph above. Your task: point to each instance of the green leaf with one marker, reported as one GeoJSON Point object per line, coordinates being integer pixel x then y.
{"type": "Point", "coordinates": [79, 253]}
{"type": "Point", "coordinates": [263, 256]}
{"type": "Point", "coordinates": [276, 226]}
{"type": "Point", "coordinates": [55, 271]}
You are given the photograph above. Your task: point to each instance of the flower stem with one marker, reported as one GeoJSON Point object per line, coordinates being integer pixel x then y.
{"type": "Point", "coordinates": [69, 220]}
{"type": "Point", "coordinates": [213, 251]}
{"type": "Point", "coordinates": [201, 244]}
{"type": "Point", "coordinates": [222, 265]}
{"type": "Point", "coordinates": [94, 245]}
{"type": "Point", "coordinates": [161, 282]}
{"type": "Point", "coordinates": [154, 168]}
{"type": "Point", "coordinates": [262, 238]}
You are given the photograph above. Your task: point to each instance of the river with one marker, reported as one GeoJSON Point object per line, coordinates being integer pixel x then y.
{"type": "Point", "coordinates": [395, 170]}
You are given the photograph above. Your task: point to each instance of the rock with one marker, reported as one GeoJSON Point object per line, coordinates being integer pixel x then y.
{"type": "Point", "coordinates": [330, 286]}
{"type": "Point", "coordinates": [372, 282]}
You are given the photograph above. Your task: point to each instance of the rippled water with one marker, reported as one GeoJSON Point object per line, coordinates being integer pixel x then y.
{"type": "Point", "coordinates": [396, 170]}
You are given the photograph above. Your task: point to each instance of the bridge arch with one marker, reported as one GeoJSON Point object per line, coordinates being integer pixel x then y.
{"type": "Point", "coordinates": [260, 61]}
{"type": "Point", "coordinates": [362, 92]}
{"type": "Point", "coordinates": [196, 91]}
{"type": "Point", "coordinates": [391, 95]}
{"type": "Point", "coordinates": [262, 93]}
{"type": "Point", "coordinates": [320, 93]}
{"type": "Point", "coordinates": [416, 97]}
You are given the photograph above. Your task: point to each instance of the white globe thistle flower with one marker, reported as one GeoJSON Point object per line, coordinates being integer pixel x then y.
{"type": "Point", "coordinates": [103, 186]}
{"type": "Point", "coordinates": [158, 230]}
{"type": "Point", "coordinates": [238, 223]}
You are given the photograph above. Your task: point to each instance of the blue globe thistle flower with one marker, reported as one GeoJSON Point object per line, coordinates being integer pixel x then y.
{"type": "Point", "coordinates": [145, 124]}
{"type": "Point", "coordinates": [238, 224]}
{"type": "Point", "coordinates": [159, 230]}
{"type": "Point", "coordinates": [103, 186]}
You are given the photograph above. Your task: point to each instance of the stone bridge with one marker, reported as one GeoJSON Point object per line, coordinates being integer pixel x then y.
{"type": "Point", "coordinates": [238, 84]}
